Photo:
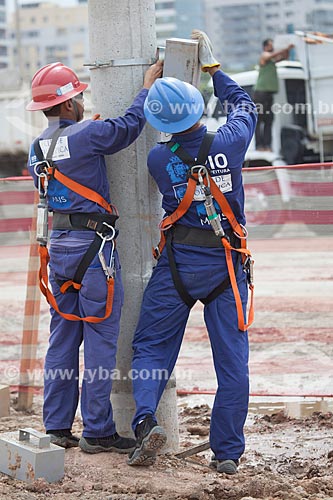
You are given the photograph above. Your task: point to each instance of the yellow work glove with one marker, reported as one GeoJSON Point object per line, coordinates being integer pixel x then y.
{"type": "Point", "coordinates": [206, 58]}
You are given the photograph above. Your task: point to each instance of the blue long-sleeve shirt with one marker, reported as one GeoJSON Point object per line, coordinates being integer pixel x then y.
{"type": "Point", "coordinates": [79, 154]}
{"type": "Point", "coordinates": [225, 158]}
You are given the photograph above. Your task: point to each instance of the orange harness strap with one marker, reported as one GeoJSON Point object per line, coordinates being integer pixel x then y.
{"type": "Point", "coordinates": [44, 254]}
{"type": "Point", "coordinates": [239, 307]}
{"type": "Point", "coordinates": [181, 210]}
{"type": "Point", "coordinates": [43, 284]}
{"type": "Point", "coordinates": [91, 195]}
{"type": "Point", "coordinates": [227, 211]}
{"type": "Point", "coordinates": [83, 191]}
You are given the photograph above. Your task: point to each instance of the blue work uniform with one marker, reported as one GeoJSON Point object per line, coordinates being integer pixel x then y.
{"type": "Point", "coordinates": [79, 154]}
{"type": "Point", "coordinates": [164, 314]}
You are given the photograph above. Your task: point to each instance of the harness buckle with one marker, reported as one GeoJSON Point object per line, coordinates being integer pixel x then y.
{"type": "Point", "coordinates": [166, 228]}
{"type": "Point", "coordinates": [41, 168]}
{"type": "Point", "coordinates": [245, 233]}
{"type": "Point", "coordinates": [156, 252]}
{"type": "Point", "coordinates": [107, 236]}
{"type": "Point", "coordinates": [199, 171]}
{"type": "Point", "coordinates": [248, 267]}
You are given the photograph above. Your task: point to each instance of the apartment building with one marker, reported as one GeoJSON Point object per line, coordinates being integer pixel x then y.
{"type": "Point", "coordinates": [320, 16]}
{"type": "Point", "coordinates": [238, 27]}
{"type": "Point", "coordinates": [48, 33]}
{"type": "Point", "coordinates": [177, 18]}
{"type": "Point", "coordinates": [3, 35]}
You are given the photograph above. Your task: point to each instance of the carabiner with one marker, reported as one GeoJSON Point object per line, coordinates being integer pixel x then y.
{"type": "Point", "coordinates": [107, 269]}
{"type": "Point", "coordinates": [107, 237]}
{"type": "Point", "coordinates": [43, 171]}
{"type": "Point", "coordinates": [42, 186]}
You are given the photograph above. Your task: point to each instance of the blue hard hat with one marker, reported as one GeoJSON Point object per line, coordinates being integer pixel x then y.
{"type": "Point", "coordinates": [173, 106]}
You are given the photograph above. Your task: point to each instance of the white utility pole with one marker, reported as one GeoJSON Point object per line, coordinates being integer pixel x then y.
{"type": "Point", "coordinates": [123, 32]}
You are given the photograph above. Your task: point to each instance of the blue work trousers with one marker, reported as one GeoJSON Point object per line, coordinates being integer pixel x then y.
{"type": "Point", "coordinates": [158, 339]}
{"type": "Point", "coordinates": [61, 375]}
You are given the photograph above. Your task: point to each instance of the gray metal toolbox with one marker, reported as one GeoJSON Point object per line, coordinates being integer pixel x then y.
{"type": "Point", "coordinates": [28, 454]}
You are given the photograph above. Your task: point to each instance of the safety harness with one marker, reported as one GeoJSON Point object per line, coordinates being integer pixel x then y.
{"type": "Point", "coordinates": [101, 224]}
{"type": "Point", "coordinates": [234, 240]}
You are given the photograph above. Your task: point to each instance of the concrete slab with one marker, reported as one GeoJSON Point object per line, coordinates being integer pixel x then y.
{"type": "Point", "coordinates": [28, 454]}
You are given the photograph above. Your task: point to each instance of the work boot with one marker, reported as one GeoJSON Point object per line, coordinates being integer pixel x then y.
{"type": "Point", "coordinates": [150, 438]}
{"type": "Point", "coordinates": [115, 443]}
{"type": "Point", "coordinates": [63, 438]}
{"type": "Point", "coordinates": [227, 466]}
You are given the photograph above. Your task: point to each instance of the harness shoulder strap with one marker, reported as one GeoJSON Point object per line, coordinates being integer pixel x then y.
{"type": "Point", "coordinates": [204, 148]}
{"type": "Point", "coordinates": [49, 154]}
{"type": "Point", "coordinates": [186, 158]}
{"type": "Point", "coordinates": [67, 181]}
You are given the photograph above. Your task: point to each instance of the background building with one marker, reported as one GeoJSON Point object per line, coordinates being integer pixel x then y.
{"type": "Point", "coordinates": [3, 35]}
{"type": "Point", "coordinates": [320, 16]}
{"type": "Point", "coordinates": [176, 18]}
{"type": "Point", "coordinates": [48, 33]}
{"type": "Point", "coordinates": [238, 27]}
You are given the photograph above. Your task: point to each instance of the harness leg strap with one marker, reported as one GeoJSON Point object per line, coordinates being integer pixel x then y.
{"type": "Point", "coordinates": [43, 284]}
{"type": "Point", "coordinates": [222, 286]}
{"type": "Point", "coordinates": [185, 296]}
{"type": "Point", "coordinates": [74, 284]}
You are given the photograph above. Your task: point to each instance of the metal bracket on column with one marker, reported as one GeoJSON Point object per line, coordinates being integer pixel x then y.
{"type": "Point", "coordinates": [121, 62]}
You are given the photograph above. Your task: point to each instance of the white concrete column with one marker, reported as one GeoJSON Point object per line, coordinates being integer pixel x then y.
{"type": "Point", "coordinates": [126, 30]}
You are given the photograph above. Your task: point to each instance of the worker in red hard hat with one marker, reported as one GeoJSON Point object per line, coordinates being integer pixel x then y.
{"type": "Point", "coordinates": [68, 167]}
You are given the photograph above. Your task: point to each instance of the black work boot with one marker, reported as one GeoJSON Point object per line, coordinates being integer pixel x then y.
{"type": "Point", "coordinates": [225, 466]}
{"type": "Point", "coordinates": [63, 438]}
{"type": "Point", "coordinates": [115, 443]}
{"type": "Point", "coordinates": [150, 438]}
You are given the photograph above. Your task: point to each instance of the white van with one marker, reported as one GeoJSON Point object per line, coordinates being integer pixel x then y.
{"type": "Point", "coordinates": [302, 130]}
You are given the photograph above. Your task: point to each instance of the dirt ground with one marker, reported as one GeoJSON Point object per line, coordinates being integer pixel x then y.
{"type": "Point", "coordinates": [285, 458]}
{"type": "Point", "coordinates": [291, 353]}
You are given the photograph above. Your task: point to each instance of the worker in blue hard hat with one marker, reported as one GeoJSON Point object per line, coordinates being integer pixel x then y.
{"type": "Point", "coordinates": [202, 256]}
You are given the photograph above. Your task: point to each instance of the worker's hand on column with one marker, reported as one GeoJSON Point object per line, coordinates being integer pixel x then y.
{"type": "Point", "coordinates": [206, 57]}
{"type": "Point", "coordinates": [153, 72]}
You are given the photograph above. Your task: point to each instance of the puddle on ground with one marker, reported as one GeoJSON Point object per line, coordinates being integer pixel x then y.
{"type": "Point", "coordinates": [293, 407]}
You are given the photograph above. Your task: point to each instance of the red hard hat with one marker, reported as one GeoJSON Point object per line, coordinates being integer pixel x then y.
{"type": "Point", "coordinates": [52, 85]}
